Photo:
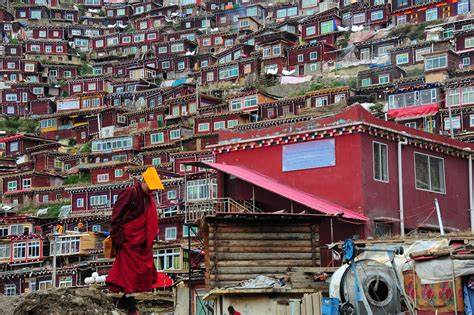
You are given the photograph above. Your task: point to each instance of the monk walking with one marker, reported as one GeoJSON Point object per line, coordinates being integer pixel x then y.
{"type": "Point", "coordinates": [134, 226]}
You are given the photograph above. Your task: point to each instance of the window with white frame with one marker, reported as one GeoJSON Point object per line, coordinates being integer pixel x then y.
{"type": "Point", "coordinates": [11, 65]}
{"type": "Point", "coordinates": [59, 49]}
{"type": "Point", "coordinates": [229, 72]}
{"type": "Point", "coordinates": [157, 138]}
{"type": "Point", "coordinates": [170, 233]}
{"type": "Point", "coordinates": [431, 14]}
{"type": "Point", "coordinates": [310, 30]}
{"type": "Point", "coordinates": [301, 58]}
{"type": "Point", "coordinates": [102, 178]}
{"type": "Point", "coordinates": [165, 64]}
{"type": "Point", "coordinates": [436, 62]}
{"type": "Point", "coordinates": [80, 202]}
{"type": "Point", "coordinates": [19, 250]}
{"type": "Point", "coordinates": [177, 47]}
{"type": "Point", "coordinates": [175, 134]}
{"type": "Point", "coordinates": [365, 54]}
{"type": "Point", "coordinates": [466, 61]}
{"type": "Point", "coordinates": [29, 67]}
{"type": "Point", "coordinates": [171, 194]}
{"type": "Point", "coordinates": [219, 125]}
{"type": "Point", "coordinates": [76, 88]}
{"type": "Point", "coordinates": [401, 19]}
{"type": "Point", "coordinates": [469, 42]}
{"type": "Point", "coordinates": [232, 123]}
{"type": "Point", "coordinates": [429, 173]}
{"type": "Point", "coordinates": [402, 59]}
{"type": "Point", "coordinates": [99, 200]}
{"type": "Point", "coordinates": [376, 15]}
{"type": "Point", "coordinates": [44, 285]}
{"type": "Point", "coordinates": [456, 122]}
{"type": "Point", "coordinates": [380, 159]}
{"type": "Point", "coordinates": [453, 97]}
{"type": "Point", "coordinates": [384, 78]}
{"type": "Point", "coordinates": [199, 189]}
{"type": "Point", "coordinates": [33, 249]}
{"type": "Point", "coordinates": [12, 185]}
{"type": "Point", "coordinates": [156, 161]}
{"type": "Point", "coordinates": [9, 290]}
{"type": "Point", "coordinates": [471, 120]}
{"type": "Point", "coordinates": [203, 127]}
{"type": "Point", "coordinates": [327, 27]}
{"type": "Point", "coordinates": [119, 173]}
{"type": "Point", "coordinates": [14, 146]}
{"type": "Point", "coordinates": [187, 229]}
{"type": "Point", "coordinates": [65, 282]}
{"type": "Point", "coordinates": [250, 102]}
{"type": "Point", "coordinates": [463, 6]}
{"type": "Point", "coordinates": [26, 183]}
{"type": "Point", "coordinates": [420, 52]}
{"type": "Point", "coordinates": [276, 50]}
{"type": "Point", "coordinates": [468, 95]}
{"type": "Point", "coordinates": [366, 82]}
{"type": "Point", "coordinates": [163, 50]}
{"type": "Point", "coordinates": [168, 259]}
{"type": "Point", "coordinates": [11, 97]}
{"type": "Point", "coordinates": [96, 228]}
{"type": "Point", "coordinates": [321, 101]}
{"type": "Point", "coordinates": [339, 97]}
{"type": "Point", "coordinates": [5, 249]}
{"type": "Point", "coordinates": [359, 18]}
{"type": "Point", "coordinates": [66, 245]}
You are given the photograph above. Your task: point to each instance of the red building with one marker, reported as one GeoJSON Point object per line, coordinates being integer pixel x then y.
{"type": "Point", "coordinates": [356, 162]}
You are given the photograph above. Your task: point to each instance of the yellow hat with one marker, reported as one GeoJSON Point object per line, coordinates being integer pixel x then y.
{"type": "Point", "coordinates": [152, 179]}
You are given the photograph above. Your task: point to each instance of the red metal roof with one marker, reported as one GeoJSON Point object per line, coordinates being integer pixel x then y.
{"type": "Point", "coordinates": [298, 196]}
{"type": "Point", "coordinates": [11, 138]}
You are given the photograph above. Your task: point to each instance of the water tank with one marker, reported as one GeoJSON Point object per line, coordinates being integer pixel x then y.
{"type": "Point", "coordinates": [378, 285]}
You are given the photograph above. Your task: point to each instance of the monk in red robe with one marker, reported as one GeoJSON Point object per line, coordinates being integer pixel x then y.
{"type": "Point", "coordinates": [134, 226]}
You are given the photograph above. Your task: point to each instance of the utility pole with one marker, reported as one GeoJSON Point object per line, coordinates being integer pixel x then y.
{"type": "Point", "coordinates": [190, 273]}
{"type": "Point", "coordinates": [450, 121]}
{"type": "Point", "coordinates": [54, 257]}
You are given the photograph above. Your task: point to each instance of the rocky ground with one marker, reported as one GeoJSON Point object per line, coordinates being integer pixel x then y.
{"type": "Point", "coordinates": [59, 301]}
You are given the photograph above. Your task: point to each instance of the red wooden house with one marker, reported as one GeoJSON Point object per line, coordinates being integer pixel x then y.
{"type": "Point", "coordinates": [212, 123]}
{"type": "Point", "coordinates": [354, 142]}
{"type": "Point", "coordinates": [44, 157]}
{"type": "Point", "coordinates": [328, 96]}
{"type": "Point", "coordinates": [178, 47]}
{"type": "Point", "coordinates": [216, 42]}
{"type": "Point", "coordinates": [248, 101]}
{"type": "Point", "coordinates": [14, 100]}
{"type": "Point", "coordinates": [93, 84]}
{"type": "Point", "coordinates": [19, 144]}
{"type": "Point", "coordinates": [308, 59]}
{"type": "Point", "coordinates": [188, 105]}
{"type": "Point", "coordinates": [169, 135]}
{"type": "Point", "coordinates": [375, 16]}
{"type": "Point", "coordinates": [46, 32]}
{"type": "Point", "coordinates": [181, 158]}
{"type": "Point", "coordinates": [42, 47]}
{"type": "Point", "coordinates": [412, 11]}
{"type": "Point", "coordinates": [281, 108]}
{"type": "Point", "coordinates": [233, 71]}
{"type": "Point", "coordinates": [33, 12]}
{"type": "Point", "coordinates": [22, 249]}
{"type": "Point", "coordinates": [322, 27]}
{"type": "Point", "coordinates": [95, 198]}
{"type": "Point", "coordinates": [108, 172]}
{"type": "Point", "coordinates": [157, 157]}
{"type": "Point", "coordinates": [19, 183]}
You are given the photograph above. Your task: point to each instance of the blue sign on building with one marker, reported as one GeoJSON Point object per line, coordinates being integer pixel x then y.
{"type": "Point", "coordinates": [313, 154]}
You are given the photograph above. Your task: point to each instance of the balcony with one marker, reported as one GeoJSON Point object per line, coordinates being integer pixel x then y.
{"type": "Point", "coordinates": [199, 209]}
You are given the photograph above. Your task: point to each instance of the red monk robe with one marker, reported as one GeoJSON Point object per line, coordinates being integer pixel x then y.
{"type": "Point", "coordinates": [134, 268]}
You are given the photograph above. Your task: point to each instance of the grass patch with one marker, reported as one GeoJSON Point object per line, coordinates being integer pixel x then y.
{"type": "Point", "coordinates": [18, 125]}
{"type": "Point", "coordinates": [78, 179]}
{"type": "Point", "coordinates": [53, 209]}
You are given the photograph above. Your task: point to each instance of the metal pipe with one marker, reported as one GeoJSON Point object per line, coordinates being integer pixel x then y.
{"type": "Point", "coordinates": [438, 214]}
{"type": "Point", "coordinates": [471, 201]}
{"type": "Point", "coordinates": [400, 186]}
{"type": "Point", "coordinates": [190, 307]}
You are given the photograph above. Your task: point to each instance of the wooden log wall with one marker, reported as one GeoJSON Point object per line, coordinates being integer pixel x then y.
{"type": "Point", "coordinates": [242, 250]}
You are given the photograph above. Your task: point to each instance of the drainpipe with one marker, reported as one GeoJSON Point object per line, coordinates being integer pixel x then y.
{"type": "Point", "coordinates": [400, 186]}
{"type": "Point", "coordinates": [471, 200]}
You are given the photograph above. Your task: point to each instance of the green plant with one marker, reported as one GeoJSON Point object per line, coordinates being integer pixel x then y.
{"type": "Point", "coordinates": [75, 179]}
{"type": "Point", "coordinates": [85, 69]}
{"type": "Point", "coordinates": [86, 148]}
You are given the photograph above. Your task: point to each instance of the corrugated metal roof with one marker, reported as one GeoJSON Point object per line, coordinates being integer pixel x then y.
{"type": "Point", "coordinates": [270, 184]}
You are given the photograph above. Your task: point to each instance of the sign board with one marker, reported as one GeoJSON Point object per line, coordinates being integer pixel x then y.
{"type": "Point", "coordinates": [69, 104]}
{"type": "Point", "coordinates": [313, 154]}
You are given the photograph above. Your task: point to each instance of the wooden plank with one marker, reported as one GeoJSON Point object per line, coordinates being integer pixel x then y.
{"type": "Point", "coordinates": [269, 263]}
{"type": "Point", "coordinates": [276, 243]}
{"type": "Point", "coordinates": [264, 236]}
{"type": "Point", "coordinates": [214, 257]}
{"type": "Point", "coordinates": [246, 269]}
{"type": "Point", "coordinates": [263, 229]}
{"type": "Point", "coordinates": [261, 249]}
{"type": "Point", "coordinates": [242, 277]}
{"type": "Point", "coordinates": [269, 256]}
